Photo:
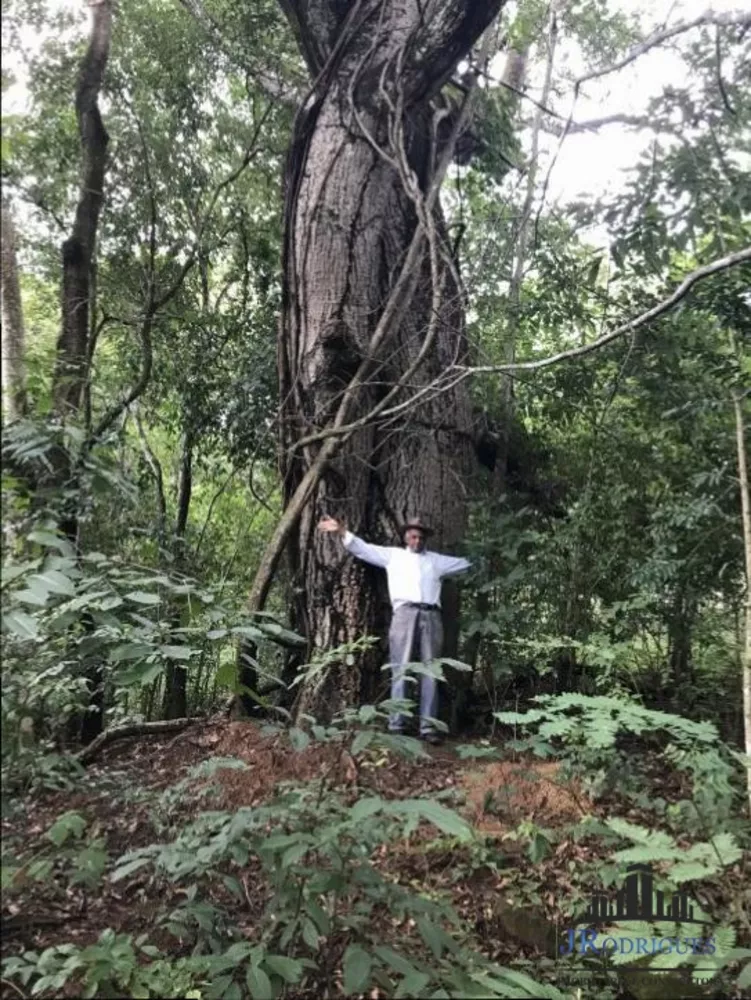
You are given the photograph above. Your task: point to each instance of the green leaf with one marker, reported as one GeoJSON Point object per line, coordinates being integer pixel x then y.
{"type": "Point", "coordinates": [310, 934]}
{"type": "Point", "coordinates": [290, 969]}
{"type": "Point", "coordinates": [686, 871]}
{"type": "Point", "coordinates": [56, 582]}
{"type": "Point", "coordinates": [366, 807]}
{"type": "Point", "coordinates": [412, 985]}
{"type": "Point", "coordinates": [141, 673]}
{"type": "Point", "coordinates": [319, 916]}
{"type": "Point", "coordinates": [233, 992]}
{"type": "Point", "coordinates": [299, 738]}
{"type": "Point", "coordinates": [431, 935]}
{"type": "Point", "coordinates": [275, 632]}
{"type": "Point", "coordinates": [142, 597]}
{"type": "Point", "coordinates": [363, 740]}
{"type": "Point", "coordinates": [456, 664]}
{"type": "Point", "coordinates": [52, 541]}
{"type": "Point", "coordinates": [356, 966]}
{"type": "Point", "coordinates": [395, 961]}
{"type": "Point", "coordinates": [128, 868]}
{"type": "Point", "coordinates": [446, 820]}
{"type": "Point", "coordinates": [293, 854]}
{"type": "Point", "coordinates": [21, 624]}
{"type": "Point", "coordinates": [177, 652]}
{"type": "Point", "coordinates": [70, 824]}
{"type": "Point", "coordinates": [35, 596]}
{"type": "Point", "coordinates": [248, 632]}
{"type": "Point", "coordinates": [744, 979]}
{"type": "Point", "coordinates": [130, 651]}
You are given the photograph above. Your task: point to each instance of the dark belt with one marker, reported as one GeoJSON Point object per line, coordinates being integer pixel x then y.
{"type": "Point", "coordinates": [422, 607]}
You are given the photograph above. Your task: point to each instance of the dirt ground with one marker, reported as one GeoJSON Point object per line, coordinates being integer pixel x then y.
{"type": "Point", "coordinates": [124, 782]}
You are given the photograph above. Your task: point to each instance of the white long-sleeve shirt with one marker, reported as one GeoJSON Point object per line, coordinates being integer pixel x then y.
{"type": "Point", "coordinates": [413, 577]}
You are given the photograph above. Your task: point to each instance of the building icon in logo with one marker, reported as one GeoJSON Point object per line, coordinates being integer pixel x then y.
{"type": "Point", "coordinates": [638, 900]}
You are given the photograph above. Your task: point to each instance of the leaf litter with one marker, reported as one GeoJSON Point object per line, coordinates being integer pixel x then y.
{"type": "Point", "coordinates": [125, 785]}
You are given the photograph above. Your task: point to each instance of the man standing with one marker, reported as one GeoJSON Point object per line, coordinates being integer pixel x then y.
{"type": "Point", "coordinates": [414, 579]}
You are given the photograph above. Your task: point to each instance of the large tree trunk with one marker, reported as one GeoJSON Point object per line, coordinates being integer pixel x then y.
{"type": "Point", "coordinates": [13, 340]}
{"type": "Point", "coordinates": [350, 222]}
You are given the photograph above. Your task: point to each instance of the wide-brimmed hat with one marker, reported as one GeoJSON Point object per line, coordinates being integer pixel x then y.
{"type": "Point", "coordinates": [418, 523]}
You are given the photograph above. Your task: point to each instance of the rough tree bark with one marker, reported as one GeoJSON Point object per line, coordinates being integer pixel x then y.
{"type": "Point", "coordinates": [13, 339]}
{"type": "Point", "coordinates": [72, 356]}
{"type": "Point", "coordinates": [378, 67]}
{"type": "Point", "coordinates": [71, 367]}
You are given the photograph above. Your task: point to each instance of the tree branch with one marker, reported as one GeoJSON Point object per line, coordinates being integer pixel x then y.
{"type": "Point", "coordinates": [722, 264]}
{"type": "Point", "coordinates": [631, 121]}
{"type": "Point", "coordinates": [158, 728]}
{"type": "Point", "coordinates": [269, 83]}
{"type": "Point", "coordinates": [456, 374]}
{"type": "Point", "coordinates": [658, 37]}
{"type": "Point", "coordinates": [157, 302]}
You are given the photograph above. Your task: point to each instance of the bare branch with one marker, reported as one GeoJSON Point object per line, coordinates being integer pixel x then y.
{"type": "Point", "coordinates": [720, 81]}
{"type": "Point", "coordinates": [708, 17]}
{"type": "Point", "coordinates": [630, 121]}
{"type": "Point", "coordinates": [723, 264]}
{"type": "Point", "coordinates": [457, 373]}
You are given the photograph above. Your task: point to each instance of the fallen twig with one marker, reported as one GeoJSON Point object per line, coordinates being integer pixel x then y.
{"type": "Point", "coordinates": [134, 729]}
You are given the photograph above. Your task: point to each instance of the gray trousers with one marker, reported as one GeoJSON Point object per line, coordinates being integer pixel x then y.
{"type": "Point", "coordinates": [414, 631]}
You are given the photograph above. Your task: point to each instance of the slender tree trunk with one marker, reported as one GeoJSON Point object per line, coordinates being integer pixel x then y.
{"type": "Point", "coordinates": [176, 677]}
{"type": "Point", "coordinates": [13, 337]}
{"type": "Point", "coordinates": [71, 369]}
{"type": "Point", "coordinates": [71, 363]}
{"type": "Point", "coordinates": [349, 225]}
{"type": "Point", "coordinates": [738, 400]}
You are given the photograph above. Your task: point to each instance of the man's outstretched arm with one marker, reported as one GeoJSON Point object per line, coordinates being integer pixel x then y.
{"type": "Point", "coordinates": [451, 565]}
{"type": "Point", "coordinates": [376, 555]}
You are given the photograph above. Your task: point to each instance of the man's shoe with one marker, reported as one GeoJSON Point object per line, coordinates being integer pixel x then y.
{"type": "Point", "coordinates": [433, 738]}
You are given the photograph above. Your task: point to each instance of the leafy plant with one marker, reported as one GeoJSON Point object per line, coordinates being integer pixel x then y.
{"type": "Point", "coordinates": [612, 742]}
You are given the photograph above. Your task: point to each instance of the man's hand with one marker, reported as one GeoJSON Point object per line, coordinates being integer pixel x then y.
{"type": "Point", "coordinates": [330, 524]}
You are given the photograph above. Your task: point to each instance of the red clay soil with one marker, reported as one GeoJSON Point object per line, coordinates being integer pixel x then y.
{"type": "Point", "coordinates": [117, 798]}
{"type": "Point", "coordinates": [498, 794]}
{"type": "Point", "coordinates": [528, 790]}
{"type": "Point", "coordinates": [120, 800]}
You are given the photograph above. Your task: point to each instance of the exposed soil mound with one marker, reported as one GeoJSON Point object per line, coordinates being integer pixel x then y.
{"type": "Point", "coordinates": [272, 760]}
{"type": "Point", "coordinates": [504, 793]}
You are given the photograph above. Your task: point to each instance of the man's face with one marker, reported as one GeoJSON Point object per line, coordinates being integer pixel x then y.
{"type": "Point", "coordinates": [414, 540]}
